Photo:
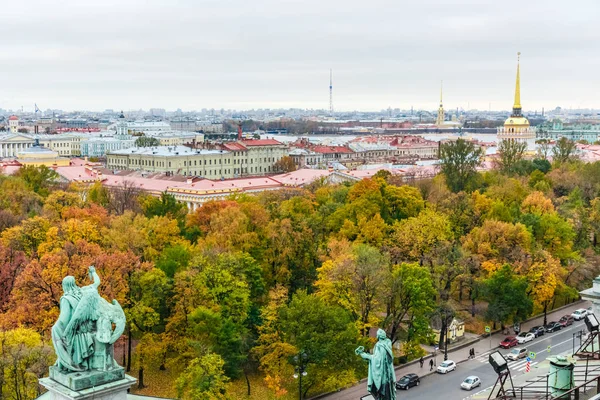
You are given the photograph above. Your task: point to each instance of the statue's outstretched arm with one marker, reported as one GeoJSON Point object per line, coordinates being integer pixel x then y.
{"type": "Point", "coordinates": [94, 276]}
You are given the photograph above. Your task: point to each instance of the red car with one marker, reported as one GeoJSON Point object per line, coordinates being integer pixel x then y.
{"type": "Point", "coordinates": [508, 342]}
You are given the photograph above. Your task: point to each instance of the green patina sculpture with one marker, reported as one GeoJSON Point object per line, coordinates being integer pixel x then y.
{"type": "Point", "coordinates": [86, 329]}
{"type": "Point", "coordinates": [382, 379]}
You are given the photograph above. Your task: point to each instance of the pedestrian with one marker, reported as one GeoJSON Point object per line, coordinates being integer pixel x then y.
{"type": "Point", "coordinates": [421, 361]}
{"type": "Point", "coordinates": [431, 364]}
{"type": "Point", "coordinates": [472, 353]}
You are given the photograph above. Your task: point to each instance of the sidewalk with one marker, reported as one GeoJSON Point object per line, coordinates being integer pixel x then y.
{"type": "Point", "coordinates": [483, 345]}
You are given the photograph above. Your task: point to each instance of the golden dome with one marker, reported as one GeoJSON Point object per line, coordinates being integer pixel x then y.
{"type": "Point", "coordinates": [516, 121]}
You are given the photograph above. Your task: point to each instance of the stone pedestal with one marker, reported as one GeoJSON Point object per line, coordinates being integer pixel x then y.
{"type": "Point", "coordinates": [114, 390]}
{"type": "Point", "coordinates": [593, 294]}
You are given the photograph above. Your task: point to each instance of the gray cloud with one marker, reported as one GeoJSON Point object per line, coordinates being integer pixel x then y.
{"type": "Point", "coordinates": [240, 54]}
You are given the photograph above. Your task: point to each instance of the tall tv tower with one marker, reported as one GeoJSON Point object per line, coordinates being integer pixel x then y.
{"type": "Point", "coordinates": [330, 93]}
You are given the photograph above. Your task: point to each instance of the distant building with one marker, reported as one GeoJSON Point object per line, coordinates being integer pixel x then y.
{"type": "Point", "coordinates": [516, 127]}
{"type": "Point", "coordinates": [99, 146]}
{"type": "Point", "coordinates": [243, 158]}
{"type": "Point", "coordinates": [304, 158]}
{"type": "Point", "coordinates": [577, 131]}
{"type": "Point", "coordinates": [13, 143]}
{"type": "Point", "coordinates": [37, 155]}
{"type": "Point", "coordinates": [13, 123]}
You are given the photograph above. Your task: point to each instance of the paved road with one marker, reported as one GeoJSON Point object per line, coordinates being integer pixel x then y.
{"type": "Point", "coordinates": [448, 386]}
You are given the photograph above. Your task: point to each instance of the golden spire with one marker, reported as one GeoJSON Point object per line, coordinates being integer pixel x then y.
{"type": "Point", "coordinates": [518, 85]}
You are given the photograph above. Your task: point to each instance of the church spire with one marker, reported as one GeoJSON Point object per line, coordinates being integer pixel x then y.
{"type": "Point", "coordinates": [441, 87]}
{"type": "Point", "coordinates": [517, 105]}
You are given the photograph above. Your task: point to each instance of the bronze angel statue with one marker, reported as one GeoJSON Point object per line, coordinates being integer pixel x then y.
{"type": "Point", "coordinates": [87, 327]}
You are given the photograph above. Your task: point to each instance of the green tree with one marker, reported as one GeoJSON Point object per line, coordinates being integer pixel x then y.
{"type": "Point", "coordinates": [328, 337]}
{"type": "Point", "coordinates": [511, 153]}
{"type": "Point", "coordinates": [507, 298]}
{"type": "Point", "coordinates": [564, 150]}
{"type": "Point", "coordinates": [146, 141]}
{"type": "Point", "coordinates": [164, 206]}
{"type": "Point", "coordinates": [409, 301]}
{"type": "Point", "coordinates": [459, 161]}
{"type": "Point", "coordinates": [39, 179]}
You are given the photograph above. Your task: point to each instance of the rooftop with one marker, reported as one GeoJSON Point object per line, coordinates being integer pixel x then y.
{"type": "Point", "coordinates": [166, 151]}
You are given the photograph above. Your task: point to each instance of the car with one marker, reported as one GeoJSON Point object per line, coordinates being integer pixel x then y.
{"type": "Point", "coordinates": [566, 320]}
{"type": "Point", "coordinates": [446, 367]}
{"type": "Point", "coordinates": [553, 326]}
{"type": "Point", "coordinates": [579, 314]}
{"type": "Point", "coordinates": [408, 381]}
{"type": "Point", "coordinates": [537, 331]}
{"type": "Point", "coordinates": [368, 397]}
{"type": "Point", "coordinates": [525, 337]}
{"type": "Point", "coordinates": [470, 382]}
{"type": "Point", "coordinates": [515, 354]}
{"type": "Point", "coordinates": [508, 342]}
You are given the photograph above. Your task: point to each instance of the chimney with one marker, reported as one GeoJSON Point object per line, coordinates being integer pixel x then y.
{"type": "Point", "coordinates": [189, 181]}
{"type": "Point", "coordinates": [239, 131]}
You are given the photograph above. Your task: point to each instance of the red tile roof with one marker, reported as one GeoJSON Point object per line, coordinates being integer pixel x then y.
{"type": "Point", "coordinates": [331, 149]}
{"type": "Point", "coordinates": [261, 142]}
{"type": "Point", "coordinates": [234, 147]}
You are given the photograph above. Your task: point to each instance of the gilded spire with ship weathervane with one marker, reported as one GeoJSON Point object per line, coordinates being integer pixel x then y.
{"type": "Point", "coordinates": [517, 106]}
{"type": "Point", "coordinates": [441, 114]}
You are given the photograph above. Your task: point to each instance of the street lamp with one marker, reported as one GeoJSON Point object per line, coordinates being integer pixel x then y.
{"type": "Point", "coordinates": [300, 370]}
{"type": "Point", "coordinates": [446, 341]}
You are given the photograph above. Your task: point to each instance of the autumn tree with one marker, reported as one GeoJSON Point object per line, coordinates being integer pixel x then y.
{"type": "Point", "coordinates": [285, 164]}
{"type": "Point", "coordinates": [271, 349]}
{"type": "Point", "coordinates": [353, 278]}
{"type": "Point", "coordinates": [203, 379]}
{"type": "Point", "coordinates": [459, 161]}
{"type": "Point", "coordinates": [24, 358]}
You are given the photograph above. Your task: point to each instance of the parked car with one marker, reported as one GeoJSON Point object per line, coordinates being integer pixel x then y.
{"type": "Point", "coordinates": [525, 337]}
{"type": "Point", "coordinates": [579, 314]}
{"type": "Point", "coordinates": [446, 367]}
{"type": "Point", "coordinates": [515, 354]}
{"type": "Point", "coordinates": [368, 397]}
{"type": "Point", "coordinates": [470, 382]}
{"type": "Point", "coordinates": [553, 326]}
{"type": "Point", "coordinates": [408, 381]}
{"type": "Point", "coordinates": [508, 342]}
{"type": "Point", "coordinates": [537, 331]}
{"type": "Point", "coordinates": [566, 320]}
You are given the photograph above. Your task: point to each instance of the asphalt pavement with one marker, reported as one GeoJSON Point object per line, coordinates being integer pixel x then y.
{"type": "Point", "coordinates": [447, 386]}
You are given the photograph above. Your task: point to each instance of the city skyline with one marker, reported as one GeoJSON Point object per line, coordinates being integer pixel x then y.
{"type": "Point", "coordinates": [234, 55]}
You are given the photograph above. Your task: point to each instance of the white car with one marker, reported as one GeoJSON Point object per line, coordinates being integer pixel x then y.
{"type": "Point", "coordinates": [525, 337]}
{"type": "Point", "coordinates": [517, 353]}
{"type": "Point", "coordinates": [446, 367]}
{"type": "Point", "coordinates": [470, 382]}
{"type": "Point", "coordinates": [579, 314]}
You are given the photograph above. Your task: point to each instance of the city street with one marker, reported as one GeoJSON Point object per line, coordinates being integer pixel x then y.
{"type": "Point", "coordinates": [447, 386]}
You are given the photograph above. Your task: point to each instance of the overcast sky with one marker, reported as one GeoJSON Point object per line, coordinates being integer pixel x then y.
{"type": "Point", "coordinates": [129, 54]}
